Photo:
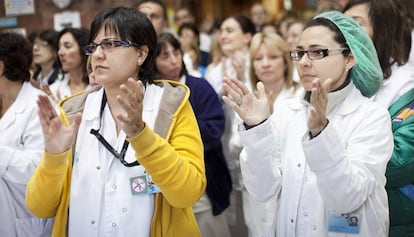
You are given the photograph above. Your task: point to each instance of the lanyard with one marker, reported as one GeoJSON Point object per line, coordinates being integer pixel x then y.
{"type": "Point", "coordinates": [120, 156]}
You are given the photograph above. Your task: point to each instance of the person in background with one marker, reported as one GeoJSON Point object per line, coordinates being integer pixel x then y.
{"type": "Point", "coordinates": [329, 5]}
{"type": "Point", "coordinates": [269, 28]}
{"type": "Point", "coordinates": [47, 64]}
{"type": "Point", "coordinates": [21, 140]}
{"type": "Point", "coordinates": [270, 64]}
{"type": "Point", "coordinates": [406, 8]}
{"type": "Point", "coordinates": [189, 41]}
{"type": "Point", "coordinates": [132, 164]}
{"type": "Point", "coordinates": [73, 60]}
{"type": "Point", "coordinates": [258, 15]}
{"type": "Point", "coordinates": [396, 94]}
{"type": "Point", "coordinates": [209, 211]}
{"type": "Point", "coordinates": [183, 15]}
{"type": "Point", "coordinates": [156, 11]}
{"type": "Point", "coordinates": [324, 155]}
{"type": "Point", "coordinates": [235, 34]}
{"type": "Point", "coordinates": [283, 22]}
{"type": "Point", "coordinates": [294, 30]}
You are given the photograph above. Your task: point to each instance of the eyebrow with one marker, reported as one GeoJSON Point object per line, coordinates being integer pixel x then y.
{"type": "Point", "coordinates": [313, 46]}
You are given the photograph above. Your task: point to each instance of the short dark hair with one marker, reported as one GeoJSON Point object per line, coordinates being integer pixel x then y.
{"type": "Point", "coordinates": [138, 30]}
{"type": "Point", "coordinates": [158, 2]}
{"type": "Point", "coordinates": [246, 25]}
{"type": "Point", "coordinates": [163, 40]}
{"type": "Point", "coordinates": [193, 28]}
{"type": "Point", "coordinates": [52, 38]}
{"type": "Point", "coordinates": [16, 55]}
{"type": "Point", "coordinates": [81, 36]}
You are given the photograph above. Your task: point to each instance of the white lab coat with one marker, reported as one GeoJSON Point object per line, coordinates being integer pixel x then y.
{"type": "Point", "coordinates": [260, 217]}
{"type": "Point", "coordinates": [21, 146]}
{"type": "Point", "coordinates": [342, 170]}
{"type": "Point", "coordinates": [101, 200]}
{"type": "Point", "coordinates": [399, 83]}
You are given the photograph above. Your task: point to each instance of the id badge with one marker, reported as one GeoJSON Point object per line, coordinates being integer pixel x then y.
{"type": "Point", "coordinates": [344, 223]}
{"type": "Point", "coordinates": [143, 185]}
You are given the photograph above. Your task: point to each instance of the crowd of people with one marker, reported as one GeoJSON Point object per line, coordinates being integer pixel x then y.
{"type": "Point", "coordinates": [299, 126]}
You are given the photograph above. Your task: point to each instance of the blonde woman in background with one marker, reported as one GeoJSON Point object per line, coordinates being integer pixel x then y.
{"type": "Point", "coordinates": [270, 64]}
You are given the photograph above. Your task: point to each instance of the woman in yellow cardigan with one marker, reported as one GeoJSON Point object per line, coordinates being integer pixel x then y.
{"type": "Point", "coordinates": [132, 163]}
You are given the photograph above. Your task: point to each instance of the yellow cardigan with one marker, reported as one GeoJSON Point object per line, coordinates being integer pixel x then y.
{"type": "Point", "coordinates": [173, 156]}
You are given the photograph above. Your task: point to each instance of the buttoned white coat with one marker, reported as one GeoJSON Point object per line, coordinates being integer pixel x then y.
{"type": "Point", "coordinates": [21, 145]}
{"type": "Point", "coordinates": [340, 171]}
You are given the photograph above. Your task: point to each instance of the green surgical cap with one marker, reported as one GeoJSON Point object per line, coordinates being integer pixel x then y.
{"type": "Point", "coordinates": [366, 74]}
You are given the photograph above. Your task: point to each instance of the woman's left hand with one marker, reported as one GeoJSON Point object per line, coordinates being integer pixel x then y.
{"type": "Point", "coordinates": [319, 99]}
{"type": "Point", "coordinates": [131, 101]}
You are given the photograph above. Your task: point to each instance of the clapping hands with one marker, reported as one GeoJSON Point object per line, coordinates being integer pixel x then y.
{"type": "Point", "coordinates": [251, 108]}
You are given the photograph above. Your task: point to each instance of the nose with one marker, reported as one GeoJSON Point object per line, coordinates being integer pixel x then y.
{"type": "Point", "coordinates": [305, 60]}
{"type": "Point", "coordinates": [98, 50]}
{"type": "Point", "coordinates": [61, 51]}
{"type": "Point", "coordinates": [174, 59]}
{"type": "Point", "coordinates": [265, 61]}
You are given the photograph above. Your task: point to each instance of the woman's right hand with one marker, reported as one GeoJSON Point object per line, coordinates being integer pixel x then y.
{"type": "Point", "coordinates": [58, 138]}
{"type": "Point", "coordinates": [251, 108]}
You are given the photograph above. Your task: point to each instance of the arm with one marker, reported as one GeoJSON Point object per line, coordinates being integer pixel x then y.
{"type": "Point", "coordinates": [260, 161]}
{"type": "Point", "coordinates": [208, 111]}
{"type": "Point", "coordinates": [18, 161]}
{"type": "Point", "coordinates": [44, 190]}
{"type": "Point", "coordinates": [176, 165]}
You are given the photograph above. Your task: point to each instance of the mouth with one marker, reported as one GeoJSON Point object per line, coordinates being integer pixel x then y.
{"type": "Point", "coordinates": [307, 76]}
{"type": "Point", "coordinates": [97, 67]}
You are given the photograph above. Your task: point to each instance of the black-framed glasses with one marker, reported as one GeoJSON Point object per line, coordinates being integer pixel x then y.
{"type": "Point", "coordinates": [315, 54]}
{"type": "Point", "coordinates": [121, 155]}
{"type": "Point", "coordinates": [108, 44]}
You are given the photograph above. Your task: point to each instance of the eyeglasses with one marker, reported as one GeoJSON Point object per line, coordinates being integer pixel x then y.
{"type": "Point", "coordinates": [108, 44]}
{"type": "Point", "coordinates": [314, 54]}
{"type": "Point", "coordinates": [120, 156]}
{"type": "Point", "coordinates": [41, 43]}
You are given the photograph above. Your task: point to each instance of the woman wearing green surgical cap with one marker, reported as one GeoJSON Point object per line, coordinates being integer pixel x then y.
{"type": "Point", "coordinates": [323, 156]}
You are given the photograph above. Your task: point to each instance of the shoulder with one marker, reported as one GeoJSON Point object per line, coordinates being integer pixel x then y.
{"type": "Point", "coordinates": [74, 104]}
{"type": "Point", "coordinates": [175, 94]}
{"type": "Point", "coordinates": [200, 83]}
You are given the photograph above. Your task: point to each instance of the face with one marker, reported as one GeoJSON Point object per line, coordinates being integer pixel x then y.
{"type": "Point", "coordinates": [268, 65]}
{"type": "Point", "coordinates": [183, 16]}
{"type": "Point", "coordinates": [113, 66]}
{"type": "Point", "coordinates": [232, 37]}
{"type": "Point", "coordinates": [293, 34]}
{"type": "Point", "coordinates": [258, 14]}
{"type": "Point", "coordinates": [334, 66]}
{"type": "Point", "coordinates": [187, 39]}
{"type": "Point", "coordinates": [360, 13]}
{"type": "Point", "coordinates": [269, 29]}
{"type": "Point", "coordinates": [69, 53]}
{"type": "Point", "coordinates": [169, 63]}
{"type": "Point", "coordinates": [155, 14]}
{"type": "Point", "coordinates": [42, 52]}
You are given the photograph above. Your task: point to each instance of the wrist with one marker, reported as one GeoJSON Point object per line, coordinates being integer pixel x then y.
{"type": "Point", "coordinates": [316, 132]}
{"type": "Point", "coordinates": [247, 127]}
